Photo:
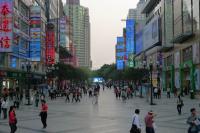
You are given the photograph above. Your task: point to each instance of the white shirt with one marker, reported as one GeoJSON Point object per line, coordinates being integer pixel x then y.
{"type": "Point", "coordinates": [4, 104]}
{"type": "Point", "coordinates": [136, 121]}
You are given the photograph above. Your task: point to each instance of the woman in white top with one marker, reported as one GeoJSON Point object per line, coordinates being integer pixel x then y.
{"type": "Point", "coordinates": [4, 107]}
{"type": "Point", "coordinates": [136, 126]}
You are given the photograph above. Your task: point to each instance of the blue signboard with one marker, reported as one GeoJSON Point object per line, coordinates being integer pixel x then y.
{"type": "Point", "coordinates": [35, 51]}
{"type": "Point", "coordinates": [120, 53]}
{"type": "Point", "coordinates": [130, 44]}
{"type": "Point", "coordinates": [13, 62]}
{"type": "Point", "coordinates": [23, 48]}
{"type": "Point", "coordinates": [120, 65]}
{"type": "Point", "coordinates": [139, 42]}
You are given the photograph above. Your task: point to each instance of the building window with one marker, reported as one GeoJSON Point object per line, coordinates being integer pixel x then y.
{"type": "Point", "coordinates": [196, 16]}
{"type": "Point", "coordinates": [167, 23]}
{"type": "Point", "coordinates": [187, 16]}
{"type": "Point", "coordinates": [177, 17]}
{"type": "Point", "coordinates": [187, 54]}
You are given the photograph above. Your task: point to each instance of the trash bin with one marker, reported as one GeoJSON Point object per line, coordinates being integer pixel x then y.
{"type": "Point", "coordinates": [192, 94]}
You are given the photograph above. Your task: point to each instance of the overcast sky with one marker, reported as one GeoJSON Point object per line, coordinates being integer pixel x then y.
{"type": "Point", "coordinates": [106, 25]}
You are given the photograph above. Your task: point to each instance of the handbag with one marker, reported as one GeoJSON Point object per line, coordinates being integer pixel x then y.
{"type": "Point", "coordinates": [134, 129]}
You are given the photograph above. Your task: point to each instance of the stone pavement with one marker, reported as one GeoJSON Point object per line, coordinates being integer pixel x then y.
{"type": "Point", "coordinates": [109, 116]}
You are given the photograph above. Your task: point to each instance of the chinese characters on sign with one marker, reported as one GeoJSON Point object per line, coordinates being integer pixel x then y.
{"type": "Point", "coordinates": [5, 25]}
{"type": "Point", "coordinates": [50, 48]}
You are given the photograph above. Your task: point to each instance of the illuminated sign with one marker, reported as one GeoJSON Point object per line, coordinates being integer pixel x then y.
{"type": "Point", "coordinates": [35, 33]}
{"type": "Point", "coordinates": [6, 25]}
{"type": "Point", "coordinates": [50, 47]}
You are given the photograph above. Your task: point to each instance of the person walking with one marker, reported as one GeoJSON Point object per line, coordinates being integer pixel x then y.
{"type": "Point", "coordinates": [4, 107]}
{"type": "Point", "coordinates": [168, 92]}
{"type": "Point", "coordinates": [136, 126]}
{"type": "Point", "coordinates": [193, 122]}
{"type": "Point", "coordinates": [179, 105]}
{"type": "Point", "coordinates": [37, 99]}
{"type": "Point", "coordinates": [149, 122]}
{"type": "Point", "coordinates": [43, 113]}
{"type": "Point", "coordinates": [12, 120]}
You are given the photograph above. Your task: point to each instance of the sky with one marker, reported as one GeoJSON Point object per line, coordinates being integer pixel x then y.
{"type": "Point", "coordinates": [106, 25]}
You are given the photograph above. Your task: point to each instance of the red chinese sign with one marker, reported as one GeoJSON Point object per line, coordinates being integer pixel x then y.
{"type": "Point", "coordinates": [6, 25]}
{"type": "Point", "coordinates": [50, 47]}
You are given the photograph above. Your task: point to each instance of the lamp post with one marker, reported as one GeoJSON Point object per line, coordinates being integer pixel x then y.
{"type": "Point", "coordinates": [158, 73]}
{"type": "Point", "coordinates": [28, 70]}
{"type": "Point", "coordinates": [151, 77]}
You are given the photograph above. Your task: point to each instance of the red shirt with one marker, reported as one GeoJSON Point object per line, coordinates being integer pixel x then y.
{"type": "Point", "coordinates": [12, 117]}
{"type": "Point", "coordinates": [44, 107]}
{"type": "Point", "coordinates": [149, 120]}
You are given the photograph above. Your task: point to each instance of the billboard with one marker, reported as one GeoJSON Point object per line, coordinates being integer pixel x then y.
{"type": "Point", "coordinates": [130, 44]}
{"type": "Point", "coordinates": [120, 65]}
{"type": "Point", "coordinates": [6, 11]}
{"type": "Point", "coordinates": [50, 47]}
{"type": "Point", "coordinates": [120, 53]}
{"type": "Point", "coordinates": [151, 35]}
{"type": "Point", "coordinates": [139, 42]}
{"type": "Point", "coordinates": [63, 32]}
{"type": "Point", "coordinates": [35, 33]}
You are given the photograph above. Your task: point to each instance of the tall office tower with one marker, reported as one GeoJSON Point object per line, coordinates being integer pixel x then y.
{"type": "Point", "coordinates": [73, 2]}
{"type": "Point", "coordinates": [136, 13]}
{"type": "Point", "coordinates": [80, 23]}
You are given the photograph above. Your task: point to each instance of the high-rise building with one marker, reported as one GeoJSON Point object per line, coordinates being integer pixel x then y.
{"type": "Point", "coordinates": [73, 2]}
{"type": "Point", "coordinates": [80, 23]}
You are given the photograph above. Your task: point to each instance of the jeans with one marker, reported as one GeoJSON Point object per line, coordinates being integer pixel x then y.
{"type": "Point", "coordinates": [13, 128]}
{"type": "Point", "coordinates": [44, 119]}
{"type": "Point", "coordinates": [179, 109]}
{"type": "Point", "coordinates": [4, 113]}
{"type": "Point", "coordinates": [150, 130]}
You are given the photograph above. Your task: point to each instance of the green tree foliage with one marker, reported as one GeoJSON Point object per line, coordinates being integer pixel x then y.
{"type": "Point", "coordinates": [68, 72]}
{"type": "Point", "coordinates": [110, 72]}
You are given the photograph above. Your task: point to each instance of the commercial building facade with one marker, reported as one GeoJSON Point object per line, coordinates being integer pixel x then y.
{"type": "Point", "coordinates": [171, 43]}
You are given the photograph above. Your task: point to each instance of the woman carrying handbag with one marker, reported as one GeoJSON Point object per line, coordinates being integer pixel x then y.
{"type": "Point", "coordinates": [136, 126]}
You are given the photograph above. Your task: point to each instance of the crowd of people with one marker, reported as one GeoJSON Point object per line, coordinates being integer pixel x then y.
{"type": "Point", "coordinates": [74, 94]}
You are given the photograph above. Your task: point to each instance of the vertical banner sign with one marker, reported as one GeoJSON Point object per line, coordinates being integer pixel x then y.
{"type": "Point", "coordinates": [35, 33]}
{"type": "Point", "coordinates": [50, 45]}
{"type": "Point", "coordinates": [6, 10]}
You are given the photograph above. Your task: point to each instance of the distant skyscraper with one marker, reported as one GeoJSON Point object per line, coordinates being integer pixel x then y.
{"type": "Point", "coordinates": [80, 21]}
{"type": "Point", "coordinates": [73, 2]}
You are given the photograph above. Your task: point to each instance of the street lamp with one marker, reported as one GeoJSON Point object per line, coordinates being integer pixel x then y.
{"type": "Point", "coordinates": [158, 73]}
{"type": "Point", "coordinates": [151, 80]}
{"type": "Point", "coordinates": [28, 70]}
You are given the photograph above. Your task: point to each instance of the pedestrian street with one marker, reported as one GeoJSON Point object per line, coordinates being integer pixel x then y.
{"type": "Point", "coordinates": [109, 116]}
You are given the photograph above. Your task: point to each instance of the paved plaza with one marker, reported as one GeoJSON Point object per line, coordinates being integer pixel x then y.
{"type": "Point", "coordinates": [109, 116]}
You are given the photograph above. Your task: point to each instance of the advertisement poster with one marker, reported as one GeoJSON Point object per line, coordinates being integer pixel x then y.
{"type": "Point", "coordinates": [6, 10]}
{"type": "Point", "coordinates": [196, 55]}
{"type": "Point", "coordinates": [35, 33]}
{"type": "Point", "coordinates": [50, 47]}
